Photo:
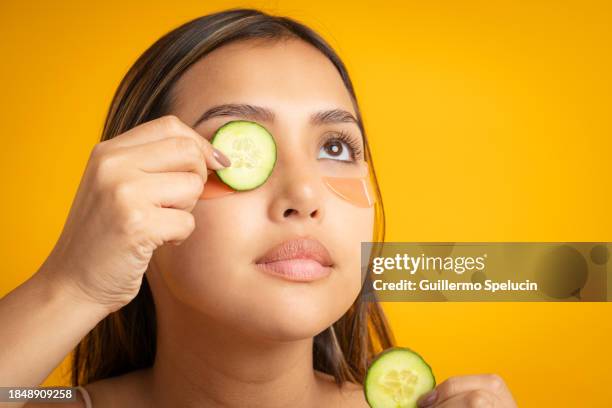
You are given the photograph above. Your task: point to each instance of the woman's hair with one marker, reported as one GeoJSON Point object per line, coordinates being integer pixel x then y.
{"type": "Point", "coordinates": [125, 340]}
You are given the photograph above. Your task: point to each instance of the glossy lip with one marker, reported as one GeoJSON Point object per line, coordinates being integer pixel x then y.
{"type": "Point", "coordinates": [301, 259]}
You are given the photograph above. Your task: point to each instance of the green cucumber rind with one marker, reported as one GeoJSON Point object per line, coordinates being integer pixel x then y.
{"type": "Point", "coordinates": [385, 352]}
{"type": "Point", "coordinates": [220, 171]}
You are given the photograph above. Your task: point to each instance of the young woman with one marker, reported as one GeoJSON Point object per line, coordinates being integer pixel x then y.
{"type": "Point", "coordinates": [259, 303]}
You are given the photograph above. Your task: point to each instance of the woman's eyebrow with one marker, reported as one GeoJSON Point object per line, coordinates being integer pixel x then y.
{"type": "Point", "coordinates": [259, 113]}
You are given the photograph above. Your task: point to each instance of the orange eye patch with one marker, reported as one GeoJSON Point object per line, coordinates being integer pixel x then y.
{"type": "Point", "coordinates": [355, 190]}
{"type": "Point", "coordinates": [214, 187]}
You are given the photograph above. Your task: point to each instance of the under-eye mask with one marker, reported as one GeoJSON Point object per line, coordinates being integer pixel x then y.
{"type": "Point", "coordinates": [355, 190]}
{"type": "Point", "coordinates": [252, 151]}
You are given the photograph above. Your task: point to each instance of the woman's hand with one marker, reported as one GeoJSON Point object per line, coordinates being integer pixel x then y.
{"type": "Point", "coordinates": [136, 194]}
{"type": "Point", "coordinates": [469, 391]}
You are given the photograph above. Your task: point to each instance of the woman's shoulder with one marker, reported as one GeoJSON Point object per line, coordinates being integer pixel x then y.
{"type": "Point", "coordinates": [353, 397]}
{"type": "Point", "coordinates": [349, 395]}
{"type": "Point", "coordinates": [116, 391]}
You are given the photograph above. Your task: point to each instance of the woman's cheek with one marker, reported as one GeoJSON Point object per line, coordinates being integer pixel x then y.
{"type": "Point", "coordinates": [217, 250]}
{"type": "Point", "coordinates": [348, 228]}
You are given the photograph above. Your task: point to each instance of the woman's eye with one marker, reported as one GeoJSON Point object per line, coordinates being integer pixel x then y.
{"type": "Point", "coordinates": [336, 149]}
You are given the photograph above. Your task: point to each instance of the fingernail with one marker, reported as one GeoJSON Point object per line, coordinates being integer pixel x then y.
{"type": "Point", "coordinates": [221, 158]}
{"type": "Point", "coordinates": [428, 399]}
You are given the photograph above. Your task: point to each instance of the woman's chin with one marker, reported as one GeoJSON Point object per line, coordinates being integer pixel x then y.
{"type": "Point", "coordinates": [289, 330]}
{"type": "Point", "coordinates": [285, 322]}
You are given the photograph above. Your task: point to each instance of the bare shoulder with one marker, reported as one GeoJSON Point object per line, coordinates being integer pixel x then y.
{"type": "Point", "coordinates": [350, 395]}
{"type": "Point", "coordinates": [353, 397]}
{"type": "Point", "coordinates": [119, 391]}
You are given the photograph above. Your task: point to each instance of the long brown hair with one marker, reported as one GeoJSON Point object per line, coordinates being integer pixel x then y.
{"type": "Point", "coordinates": [125, 340]}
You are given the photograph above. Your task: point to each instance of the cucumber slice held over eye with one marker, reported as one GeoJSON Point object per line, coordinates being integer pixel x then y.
{"type": "Point", "coordinates": [252, 151]}
{"type": "Point", "coordinates": [396, 378]}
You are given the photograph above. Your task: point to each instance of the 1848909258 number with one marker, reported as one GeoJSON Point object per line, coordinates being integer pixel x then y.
{"type": "Point", "coordinates": [39, 394]}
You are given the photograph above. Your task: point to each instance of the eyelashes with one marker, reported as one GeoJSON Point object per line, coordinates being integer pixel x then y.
{"type": "Point", "coordinates": [342, 136]}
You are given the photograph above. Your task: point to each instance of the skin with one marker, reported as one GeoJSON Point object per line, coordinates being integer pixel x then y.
{"type": "Point", "coordinates": [228, 334]}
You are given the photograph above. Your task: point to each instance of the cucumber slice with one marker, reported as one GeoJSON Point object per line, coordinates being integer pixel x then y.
{"type": "Point", "coordinates": [252, 150]}
{"type": "Point", "coordinates": [397, 378]}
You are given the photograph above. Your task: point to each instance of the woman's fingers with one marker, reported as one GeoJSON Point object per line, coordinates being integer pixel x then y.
{"type": "Point", "coordinates": [180, 190]}
{"type": "Point", "coordinates": [157, 129]}
{"type": "Point", "coordinates": [166, 155]}
{"type": "Point", "coordinates": [172, 225]}
{"type": "Point", "coordinates": [471, 399]}
{"type": "Point", "coordinates": [162, 128]}
{"type": "Point", "coordinates": [453, 386]}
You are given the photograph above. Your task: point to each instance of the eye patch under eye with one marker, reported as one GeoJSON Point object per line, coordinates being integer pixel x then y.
{"type": "Point", "coordinates": [214, 187]}
{"type": "Point", "coordinates": [355, 190]}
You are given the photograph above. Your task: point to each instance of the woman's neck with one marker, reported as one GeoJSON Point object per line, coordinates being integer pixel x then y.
{"type": "Point", "coordinates": [200, 362]}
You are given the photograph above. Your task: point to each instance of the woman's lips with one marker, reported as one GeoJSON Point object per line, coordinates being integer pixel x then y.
{"type": "Point", "coordinates": [300, 270]}
{"type": "Point", "coordinates": [301, 259]}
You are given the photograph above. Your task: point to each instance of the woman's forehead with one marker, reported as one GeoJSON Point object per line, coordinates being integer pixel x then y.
{"type": "Point", "coordinates": [286, 75]}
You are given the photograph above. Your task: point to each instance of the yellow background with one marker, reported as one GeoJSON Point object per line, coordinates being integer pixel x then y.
{"type": "Point", "coordinates": [489, 121]}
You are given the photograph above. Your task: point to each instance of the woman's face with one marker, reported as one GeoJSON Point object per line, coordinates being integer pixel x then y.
{"type": "Point", "coordinates": [214, 270]}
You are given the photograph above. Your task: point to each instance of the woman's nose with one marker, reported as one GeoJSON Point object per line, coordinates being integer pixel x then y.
{"type": "Point", "coordinates": [298, 193]}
